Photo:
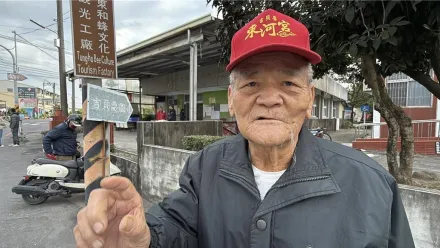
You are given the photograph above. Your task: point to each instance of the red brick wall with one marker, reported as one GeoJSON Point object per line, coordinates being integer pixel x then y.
{"type": "Point", "coordinates": [425, 130]}
{"type": "Point", "coordinates": [425, 146]}
{"type": "Point", "coordinates": [56, 120]}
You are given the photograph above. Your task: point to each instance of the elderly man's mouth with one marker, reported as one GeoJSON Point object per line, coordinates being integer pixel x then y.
{"type": "Point", "coordinates": [266, 119]}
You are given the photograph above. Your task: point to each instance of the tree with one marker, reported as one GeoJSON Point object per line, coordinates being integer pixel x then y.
{"type": "Point", "coordinates": [379, 37]}
{"type": "Point", "coordinates": [357, 96]}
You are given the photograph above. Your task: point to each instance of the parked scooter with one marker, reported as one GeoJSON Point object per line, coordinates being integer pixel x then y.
{"type": "Point", "coordinates": [321, 133]}
{"type": "Point", "coordinates": [46, 178]}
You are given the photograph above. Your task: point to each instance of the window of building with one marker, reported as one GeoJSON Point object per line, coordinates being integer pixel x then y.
{"type": "Point", "coordinates": [315, 108]}
{"type": "Point", "coordinates": [325, 108]}
{"type": "Point", "coordinates": [398, 76]}
{"type": "Point", "coordinates": [409, 94]}
{"type": "Point", "coordinates": [334, 112]}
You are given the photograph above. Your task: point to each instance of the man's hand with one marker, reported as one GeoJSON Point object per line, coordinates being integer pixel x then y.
{"type": "Point", "coordinates": [51, 156]}
{"type": "Point", "coordinates": [113, 217]}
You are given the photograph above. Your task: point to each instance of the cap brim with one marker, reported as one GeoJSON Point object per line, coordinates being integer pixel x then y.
{"type": "Point", "coordinates": [75, 124]}
{"type": "Point", "coordinates": [308, 55]}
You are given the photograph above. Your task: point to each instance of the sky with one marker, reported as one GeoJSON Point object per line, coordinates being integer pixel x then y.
{"type": "Point", "coordinates": [135, 21]}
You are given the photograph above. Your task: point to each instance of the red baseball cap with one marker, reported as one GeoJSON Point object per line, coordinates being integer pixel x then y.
{"type": "Point", "coordinates": [271, 31]}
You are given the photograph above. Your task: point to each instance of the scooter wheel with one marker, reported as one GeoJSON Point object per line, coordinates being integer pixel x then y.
{"type": "Point", "coordinates": [34, 200]}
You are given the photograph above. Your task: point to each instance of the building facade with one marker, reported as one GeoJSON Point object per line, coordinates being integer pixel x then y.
{"type": "Point", "coordinates": [416, 101]}
{"type": "Point", "coordinates": [43, 102]}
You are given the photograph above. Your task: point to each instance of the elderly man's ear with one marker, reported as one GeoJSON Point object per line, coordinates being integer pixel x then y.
{"type": "Point", "coordinates": [230, 102]}
{"type": "Point", "coordinates": [312, 99]}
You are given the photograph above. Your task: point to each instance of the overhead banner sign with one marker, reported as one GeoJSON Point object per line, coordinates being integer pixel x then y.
{"type": "Point", "coordinates": [26, 92]}
{"type": "Point", "coordinates": [27, 102]}
{"type": "Point", "coordinates": [94, 39]}
{"type": "Point", "coordinates": [16, 76]}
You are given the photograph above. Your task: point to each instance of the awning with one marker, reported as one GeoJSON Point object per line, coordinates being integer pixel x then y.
{"type": "Point", "coordinates": [170, 51]}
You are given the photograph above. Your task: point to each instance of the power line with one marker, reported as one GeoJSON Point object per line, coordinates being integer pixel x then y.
{"type": "Point", "coordinates": [40, 46]}
{"type": "Point", "coordinates": [28, 68]}
{"type": "Point", "coordinates": [53, 73]}
{"type": "Point", "coordinates": [38, 29]}
{"type": "Point", "coordinates": [35, 75]}
{"type": "Point", "coordinates": [36, 47]}
{"type": "Point", "coordinates": [16, 27]}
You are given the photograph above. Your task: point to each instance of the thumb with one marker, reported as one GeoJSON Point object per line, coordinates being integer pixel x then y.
{"type": "Point", "coordinates": [135, 230]}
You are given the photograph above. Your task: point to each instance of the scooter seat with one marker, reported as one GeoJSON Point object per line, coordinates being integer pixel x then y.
{"type": "Point", "coordinates": [68, 164]}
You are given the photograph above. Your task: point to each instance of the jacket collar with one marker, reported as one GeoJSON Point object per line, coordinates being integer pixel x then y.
{"type": "Point", "coordinates": [307, 176]}
{"type": "Point", "coordinates": [309, 161]}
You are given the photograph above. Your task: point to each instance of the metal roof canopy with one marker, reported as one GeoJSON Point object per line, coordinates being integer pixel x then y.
{"type": "Point", "coordinates": [170, 51]}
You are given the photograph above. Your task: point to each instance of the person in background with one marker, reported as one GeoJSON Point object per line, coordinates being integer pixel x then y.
{"type": "Point", "coordinates": [60, 142]}
{"type": "Point", "coordinates": [161, 115]}
{"type": "Point", "coordinates": [3, 124]}
{"type": "Point", "coordinates": [14, 125]}
{"type": "Point", "coordinates": [172, 115]}
{"type": "Point", "coordinates": [182, 115]}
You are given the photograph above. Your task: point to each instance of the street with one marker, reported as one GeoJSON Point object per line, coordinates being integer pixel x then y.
{"type": "Point", "coordinates": [44, 226]}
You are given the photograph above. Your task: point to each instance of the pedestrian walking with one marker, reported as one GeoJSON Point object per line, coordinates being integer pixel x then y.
{"type": "Point", "coordinates": [161, 115]}
{"type": "Point", "coordinates": [3, 124]}
{"type": "Point", "coordinates": [15, 125]}
{"type": "Point", "coordinates": [172, 114]}
{"type": "Point", "coordinates": [182, 115]}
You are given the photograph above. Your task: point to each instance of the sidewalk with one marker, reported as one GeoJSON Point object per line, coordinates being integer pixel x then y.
{"type": "Point", "coordinates": [421, 162]}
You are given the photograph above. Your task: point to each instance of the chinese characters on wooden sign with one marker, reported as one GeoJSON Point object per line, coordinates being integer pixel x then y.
{"type": "Point", "coordinates": [270, 26]}
{"type": "Point", "coordinates": [94, 38]}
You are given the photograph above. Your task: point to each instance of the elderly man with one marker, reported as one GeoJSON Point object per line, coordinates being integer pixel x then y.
{"type": "Point", "coordinates": [275, 185]}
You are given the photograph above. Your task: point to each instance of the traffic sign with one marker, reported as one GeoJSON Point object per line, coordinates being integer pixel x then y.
{"type": "Point", "coordinates": [107, 105]}
{"type": "Point", "coordinates": [16, 76]}
{"type": "Point", "coordinates": [437, 147]}
{"type": "Point", "coordinates": [365, 108]}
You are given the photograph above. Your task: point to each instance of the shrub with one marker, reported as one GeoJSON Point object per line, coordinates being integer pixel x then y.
{"type": "Point", "coordinates": [347, 124]}
{"type": "Point", "coordinates": [198, 142]}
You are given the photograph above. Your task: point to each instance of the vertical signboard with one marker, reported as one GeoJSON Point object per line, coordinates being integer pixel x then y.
{"type": "Point", "coordinates": [93, 39]}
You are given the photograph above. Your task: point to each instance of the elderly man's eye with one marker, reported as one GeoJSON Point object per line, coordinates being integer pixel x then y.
{"type": "Point", "coordinates": [288, 83]}
{"type": "Point", "coordinates": [251, 84]}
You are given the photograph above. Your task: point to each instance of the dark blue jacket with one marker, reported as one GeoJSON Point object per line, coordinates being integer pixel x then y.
{"type": "Point", "coordinates": [61, 140]}
{"type": "Point", "coordinates": [15, 121]}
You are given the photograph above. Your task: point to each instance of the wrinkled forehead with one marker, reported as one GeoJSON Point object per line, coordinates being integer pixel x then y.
{"type": "Point", "coordinates": [280, 62]}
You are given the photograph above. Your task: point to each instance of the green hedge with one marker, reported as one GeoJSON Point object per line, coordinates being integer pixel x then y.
{"type": "Point", "coordinates": [198, 142]}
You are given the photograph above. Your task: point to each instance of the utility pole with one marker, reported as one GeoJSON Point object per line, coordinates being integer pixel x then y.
{"type": "Point", "coordinates": [62, 63]}
{"type": "Point", "coordinates": [15, 70]}
{"type": "Point", "coordinates": [73, 95]}
{"type": "Point", "coordinates": [42, 99]}
{"type": "Point", "coordinates": [53, 95]}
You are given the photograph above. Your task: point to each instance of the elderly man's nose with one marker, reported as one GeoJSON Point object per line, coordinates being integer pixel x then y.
{"type": "Point", "coordinates": [269, 97]}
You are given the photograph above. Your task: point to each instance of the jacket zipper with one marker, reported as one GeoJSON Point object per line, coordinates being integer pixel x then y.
{"type": "Point", "coordinates": [301, 180]}
{"type": "Point", "coordinates": [242, 178]}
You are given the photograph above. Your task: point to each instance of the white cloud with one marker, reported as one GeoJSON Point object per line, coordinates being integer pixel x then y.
{"type": "Point", "coordinates": [135, 20]}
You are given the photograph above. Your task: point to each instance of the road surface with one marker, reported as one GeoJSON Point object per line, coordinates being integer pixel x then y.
{"type": "Point", "coordinates": [48, 225]}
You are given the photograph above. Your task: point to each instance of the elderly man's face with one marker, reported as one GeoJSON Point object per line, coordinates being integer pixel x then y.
{"type": "Point", "coordinates": [271, 96]}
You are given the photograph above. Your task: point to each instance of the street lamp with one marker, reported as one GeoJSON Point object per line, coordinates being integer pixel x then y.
{"type": "Point", "coordinates": [14, 68]}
